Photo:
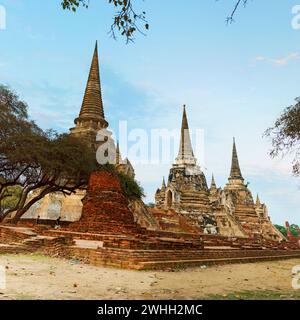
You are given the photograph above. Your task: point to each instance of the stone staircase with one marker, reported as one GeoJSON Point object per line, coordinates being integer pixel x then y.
{"type": "Point", "coordinates": [108, 235]}
{"type": "Point", "coordinates": [149, 241]}
{"type": "Point", "coordinates": [163, 259]}
{"type": "Point", "coordinates": [159, 251]}
{"type": "Point", "coordinates": [25, 240]}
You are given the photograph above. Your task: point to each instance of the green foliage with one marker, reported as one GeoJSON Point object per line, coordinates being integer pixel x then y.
{"type": "Point", "coordinates": [108, 168]}
{"type": "Point", "coordinates": [293, 227]}
{"type": "Point", "coordinates": [68, 157]}
{"type": "Point", "coordinates": [74, 4]}
{"type": "Point", "coordinates": [130, 187]}
{"type": "Point", "coordinates": [256, 295]}
{"type": "Point", "coordinates": [126, 20]}
{"type": "Point", "coordinates": [285, 135]}
{"type": "Point", "coordinates": [34, 160]}
{"type": "Point", "coordinates": [282, 229]}
{"type": "Point", "coordinates": [294, 230]}
{"type": "Point", "coordinates": [12, 196]}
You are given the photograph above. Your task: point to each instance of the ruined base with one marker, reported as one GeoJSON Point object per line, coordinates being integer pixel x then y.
{"type": "Point", "coordinates": [137, 252]}
{"type": "Point", "coordinates": [108, 234]}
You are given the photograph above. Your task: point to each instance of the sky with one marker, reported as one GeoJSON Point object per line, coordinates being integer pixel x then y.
{"type": "Point", "coordinates": [235, 80]}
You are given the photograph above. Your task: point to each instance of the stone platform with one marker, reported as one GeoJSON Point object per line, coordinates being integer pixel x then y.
{"type": "Point", "coordinates": [108, 235]}
{"type": "Point", "coordinates": [130, 253]}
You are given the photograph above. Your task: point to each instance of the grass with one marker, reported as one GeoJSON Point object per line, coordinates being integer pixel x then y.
{"type": "Point", "coordinates": [257, 295]}
{"type": "Point", "coordinates": [24, 297]}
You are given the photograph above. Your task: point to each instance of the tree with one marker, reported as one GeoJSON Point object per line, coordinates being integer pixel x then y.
{"type": "Point", "coordinates": [282, 229]}
{"type": "Point", "coordinates": [130, 188]}
{"type": "Point", "coordinates": [127, 20]}
{"type": "Point", "coordinates": [36, 162]}
{"type": "Point", "coordinates": [237, 5]}
{"type": "Point", "coordinates": [285, 135]}
{"type": "Point", "coordinates": [295, 230]}
{"type": "Point", "coordinates": [11, 198]}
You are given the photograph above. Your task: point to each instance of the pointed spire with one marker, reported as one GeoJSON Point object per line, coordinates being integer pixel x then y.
{"type": "Point", "coordinates": [163, 186]}
{"type": "Point", "coordinates": [118, 154]}
{"type": "Point", "coordinates": [92, 105]}
{"type": "Point", "coordinates": [186, 154]}
{"type": "Point", "coordinates": [213, 183]}
{"type": "Point", "coordinates": [235, 173]}
{"type": "Point", "coordinates": [258, 203]}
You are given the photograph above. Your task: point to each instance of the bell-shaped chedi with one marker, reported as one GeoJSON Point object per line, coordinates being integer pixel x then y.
{"type": "Point", "coordinates": [91, 118]}
{"type": "Point", "coordinates": [186, 191]}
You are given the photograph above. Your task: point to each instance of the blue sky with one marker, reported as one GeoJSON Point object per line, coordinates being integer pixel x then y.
{"type": "Point", "coordinates": [235, 80]}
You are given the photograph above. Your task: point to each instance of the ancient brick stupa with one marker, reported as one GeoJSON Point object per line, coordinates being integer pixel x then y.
{"type": "Point", "coordinates": [107, 213]}
{"type": "Point", "coordinates": [105, 208]}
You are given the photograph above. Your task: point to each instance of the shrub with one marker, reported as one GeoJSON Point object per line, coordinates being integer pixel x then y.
{"type": "Point", "coordinates": [130, 188]}
{"type": "Point", "coordinates": [281, 229]}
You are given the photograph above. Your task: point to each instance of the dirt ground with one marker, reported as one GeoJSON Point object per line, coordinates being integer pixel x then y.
{"type": "Point", "coordinates": [39, 277]}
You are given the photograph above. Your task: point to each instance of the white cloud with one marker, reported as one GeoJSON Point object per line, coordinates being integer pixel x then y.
{"type": "Point", "coordinates": [283, 61]}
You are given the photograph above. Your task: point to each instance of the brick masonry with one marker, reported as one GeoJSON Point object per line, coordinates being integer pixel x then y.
{"type": "Point", "coordinates": [108, 235]}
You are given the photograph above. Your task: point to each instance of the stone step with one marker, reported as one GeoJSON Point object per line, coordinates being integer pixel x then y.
{"type": "Point", "coordinates": [153, 265]}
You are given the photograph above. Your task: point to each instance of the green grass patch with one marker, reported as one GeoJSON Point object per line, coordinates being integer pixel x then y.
{"type": "Point", "coordinates": [257, 295]}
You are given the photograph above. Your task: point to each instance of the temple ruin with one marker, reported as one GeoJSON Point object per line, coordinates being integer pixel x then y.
{"type": "Point", "coordinates": [230, 211]}
{"type": "Point", "coordinates": [192, 224]}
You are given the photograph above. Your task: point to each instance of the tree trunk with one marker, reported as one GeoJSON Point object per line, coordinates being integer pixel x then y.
{"type": "Point", "coordinates": [18, 215]}
{"type": "Point", "coordinates": [21, 211]}
{"type": "Point", "coordinates": [22, 207]}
